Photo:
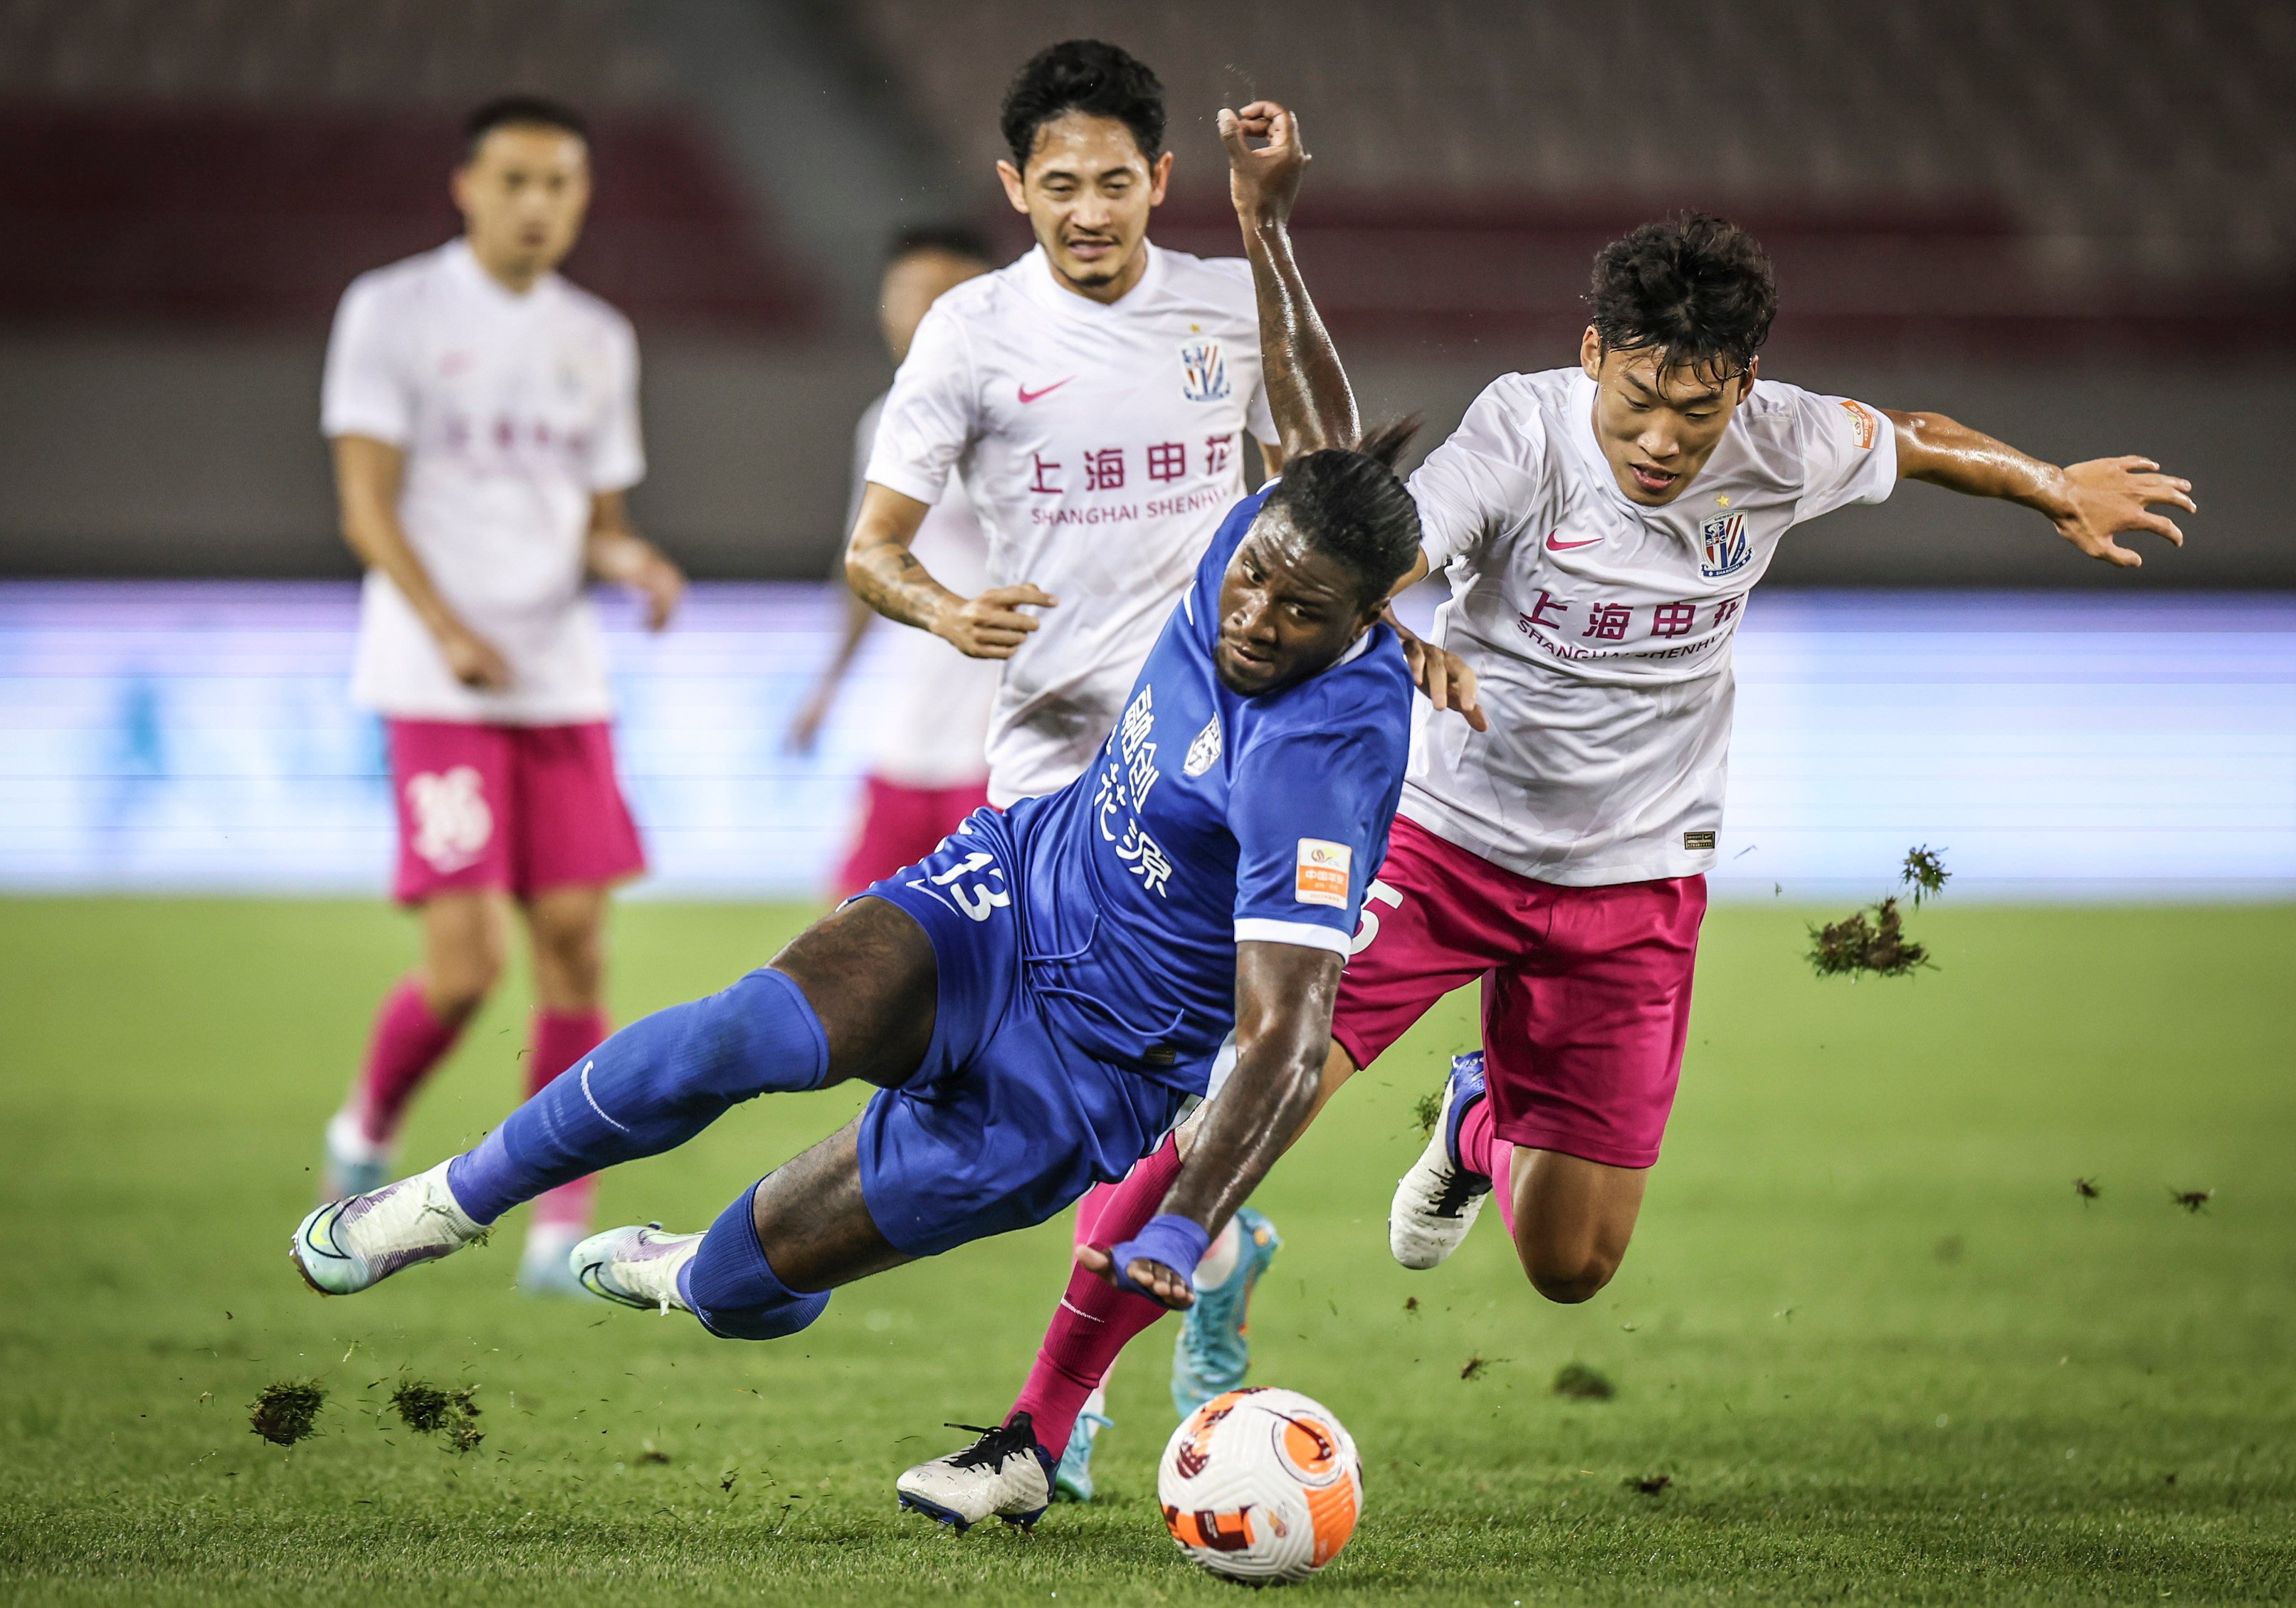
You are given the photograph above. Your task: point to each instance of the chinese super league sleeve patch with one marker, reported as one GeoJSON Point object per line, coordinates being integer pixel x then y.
{"type": "Point", "coordinates": [1862, 423]}
{"type": "Point", "coordinates": [1323, 873]}
{"type": "Point", "coordinates": [1698, 839]}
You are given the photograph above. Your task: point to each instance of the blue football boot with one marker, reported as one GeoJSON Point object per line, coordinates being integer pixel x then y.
{"type": "Point", "coordinates": [1213, 1354]}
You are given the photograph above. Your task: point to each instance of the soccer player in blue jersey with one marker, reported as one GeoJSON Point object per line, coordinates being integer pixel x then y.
{"type": "Point", "coordinates": [1041, 999]}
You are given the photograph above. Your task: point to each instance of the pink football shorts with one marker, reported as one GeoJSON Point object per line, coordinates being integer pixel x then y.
{"type": "Point", "coordinates": [900, 825]}
{"type": "Point", "coordinates": [1585, 990]}
{"type": "Point", "coordinates": [522, 809]}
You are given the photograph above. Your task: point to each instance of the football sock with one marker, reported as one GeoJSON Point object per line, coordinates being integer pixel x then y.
{"type": "Point", "coordinates": [1088, 1210]}
{"type": "Point", "coordinates": [406, 1041]}
{"type": "Point", "coordinates": [556, 1041]}
{"type": "Point", "coordinates": [1218, 1264]}
{"type": "Point", "coordinates": [734, 1290]}
{"type": "Point", "coordinates": [649, 1088]}
{"type": "Point", "coordinates": [1482, 1150]}
{"type": "Point", "coordinates": [1096, 1320]}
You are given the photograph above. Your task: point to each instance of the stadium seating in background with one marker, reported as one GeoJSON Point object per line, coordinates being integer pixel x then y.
{"type": "Point", "coordinates": [2060, 173]}
{"type": "Point", "coordinates": [237, 161]}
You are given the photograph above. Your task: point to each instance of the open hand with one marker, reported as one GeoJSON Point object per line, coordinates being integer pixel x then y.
{"type": "Point", "coordinates": [991, 625]}
{"type": "Point", "coordinates": [1265, 182]}
{"type": "Point", "coordinates": [473, 660]}
{"type": "Point", "coordinates": [1161, 1282]}
{"type": "Point", "coordinates": [2106, 497]}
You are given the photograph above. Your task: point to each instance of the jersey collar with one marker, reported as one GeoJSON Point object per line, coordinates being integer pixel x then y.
{"type": "Point", "coordinates": [1048, 292]}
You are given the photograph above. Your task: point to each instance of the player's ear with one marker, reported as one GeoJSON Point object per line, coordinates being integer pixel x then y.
{"type": "Point", "coordinates": [1590, 353]}
{"type": "Point", "coordinates": [1016, 189]}
{"type": "Point", "coordinates": [1159, 176]}
{"type": "Point", "coordinates": [1746, 381]}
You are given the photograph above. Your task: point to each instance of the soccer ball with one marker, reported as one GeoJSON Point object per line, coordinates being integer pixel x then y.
{"type": "Point", "coordinates": [1260, 1485]}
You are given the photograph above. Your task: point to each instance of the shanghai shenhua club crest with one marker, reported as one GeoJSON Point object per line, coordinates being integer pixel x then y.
{"type": "Point", "coordinates": [1203, 371]}
{"type": "Point", "coordinates": [1725, 543]}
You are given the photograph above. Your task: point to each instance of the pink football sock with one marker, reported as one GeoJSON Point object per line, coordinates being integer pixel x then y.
{"type": "Point", "coordinates": [1486, 1152]}
{"type": "Point", "coordinates": [1089, 1211]}
{"type": "Point", "coordinates": [406, 1041]}
{"type": "Point", "coordinates": [558, 1040]}
{"type": "Point", "coordinates": [1096, 1320]}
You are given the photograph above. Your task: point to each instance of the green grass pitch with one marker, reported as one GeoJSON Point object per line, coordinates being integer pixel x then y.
{"type": "Point", "coordinates": [1879, 1347]}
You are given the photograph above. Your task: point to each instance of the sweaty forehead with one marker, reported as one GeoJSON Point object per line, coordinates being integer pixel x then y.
{"type": "Point", "coordinates": [1648, 373]}
{"type": "Point", "coordinates": [1290, 560]}
{"type": "Point", "coordinates": [1083, 145]}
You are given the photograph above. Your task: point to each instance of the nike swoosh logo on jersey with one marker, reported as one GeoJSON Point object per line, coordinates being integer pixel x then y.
{"type": "Point", "coordinates": [1554, 547]}
{"type": "Point", "coordinates": [1028, 396]}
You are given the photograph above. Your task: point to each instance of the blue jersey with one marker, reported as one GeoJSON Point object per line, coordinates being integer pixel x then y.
{"type": "Point", "coordinates": [1207, 819]}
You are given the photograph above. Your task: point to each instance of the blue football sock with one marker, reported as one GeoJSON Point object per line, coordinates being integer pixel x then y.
{"type": "Point", "coordinates": [734, 1290]}
{"type": "Point", "coordinates": [648, 1088]}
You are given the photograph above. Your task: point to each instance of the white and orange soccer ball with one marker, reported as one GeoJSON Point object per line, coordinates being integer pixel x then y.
{"type": "Point", "coordinates": [1260, 1485]}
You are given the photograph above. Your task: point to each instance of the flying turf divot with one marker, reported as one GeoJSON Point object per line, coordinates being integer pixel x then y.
{"type": "Point", "coordinates": [1874, 939]}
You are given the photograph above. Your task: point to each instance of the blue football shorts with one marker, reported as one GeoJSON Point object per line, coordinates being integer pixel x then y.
{"type": "Point", "coordinates": [1007, 1122]}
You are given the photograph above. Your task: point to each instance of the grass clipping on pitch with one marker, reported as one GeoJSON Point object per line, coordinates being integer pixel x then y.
{"type": "Point", "coordinates": [1872, 940]}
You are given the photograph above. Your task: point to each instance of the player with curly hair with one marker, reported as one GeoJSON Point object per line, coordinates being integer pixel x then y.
{"type": "Point", "coordinates": [1600, 526]}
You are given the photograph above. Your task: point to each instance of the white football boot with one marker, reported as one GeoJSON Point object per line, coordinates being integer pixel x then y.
{"type": "Point", "coordinates": [636, 1266]}
{"type": "Point", "coordinates": [1437, 1202]}
{"type": "Point", "coordinates": [1004, 1475]}
{"type": "Point", "coordinates": [354, 1243]}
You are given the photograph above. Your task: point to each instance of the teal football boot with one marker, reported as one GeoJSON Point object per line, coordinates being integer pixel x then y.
{"type": "Point", "coordinates": [1213, 1354]}
{"type": "Point", "coordinates": [1072, 1480]}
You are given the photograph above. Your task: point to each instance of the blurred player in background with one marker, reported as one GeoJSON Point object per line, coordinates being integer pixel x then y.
{"type": "Point", "coordinates": [929, 739]}
{"type": "Point", "coordinates": [1094, 395]}
{"type": "Point", "coordinates": [484, 418]}
{"type": "Point", "coordinates": [1600, 526]}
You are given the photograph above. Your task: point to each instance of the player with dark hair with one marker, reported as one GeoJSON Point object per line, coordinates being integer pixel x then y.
{"type": "Point", "coordinates": [1093, 396]}
{"type": "Point", "coordinates": [520, 111]}
{"type": "Point", "coordinates": [928, 737]}
{"type": "Point", "coordinates": [1040, 999]}
{"type": "Point", "coordinates": [1600, 527]}
{"type": "Point", "coordinates": [483, 414]}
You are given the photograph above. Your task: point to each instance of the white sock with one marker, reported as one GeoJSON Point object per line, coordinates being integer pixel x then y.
{"type": "Point", "coordinates": [1096, 1404]}
{"type": "Point", "coordinates": [1218, 1264]}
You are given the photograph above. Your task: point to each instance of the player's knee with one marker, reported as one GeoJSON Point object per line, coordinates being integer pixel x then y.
{"type": "Point", "coordinates": [734, 1291]}
{"type": "Point", "coordinates": [459, 980]}
{"type": "Point", "coordinates": [1569, 1276]}
{"type": "Point", "coordinates": [569, 951]}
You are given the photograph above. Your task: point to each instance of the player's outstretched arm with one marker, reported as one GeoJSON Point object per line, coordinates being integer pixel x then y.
{"type": "Point", "coordinates": [2089, 502]}
{"type": "Point", "coordinates": [367, 476]}
{"type": "Point", "coordinates": [1284, 996]}
{"type": "Point", "coordinates": [1306, 390]}
{"type": "Point", "coordinates": [884, 574]}
{"type": "Point", "coordinates": [615, 551]}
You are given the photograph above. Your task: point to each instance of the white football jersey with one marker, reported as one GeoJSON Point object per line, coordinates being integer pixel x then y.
{"type": "Point", "coordinates": [1600, 630]}
{"type": "Point", "coordinates": [512, 410]}
{"type": "Point", "coordinates": [933, 731]}
{"type": "Point", "coordinates": [1101, 445]}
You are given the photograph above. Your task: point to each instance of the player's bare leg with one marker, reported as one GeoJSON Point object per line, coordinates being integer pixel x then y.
{"type": "Point", "coordinates": [464, 936]}
{"type": "Point", "coordinates": [566, 932]}
{"type": "Point", "coordinates": [1571, 1220]}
